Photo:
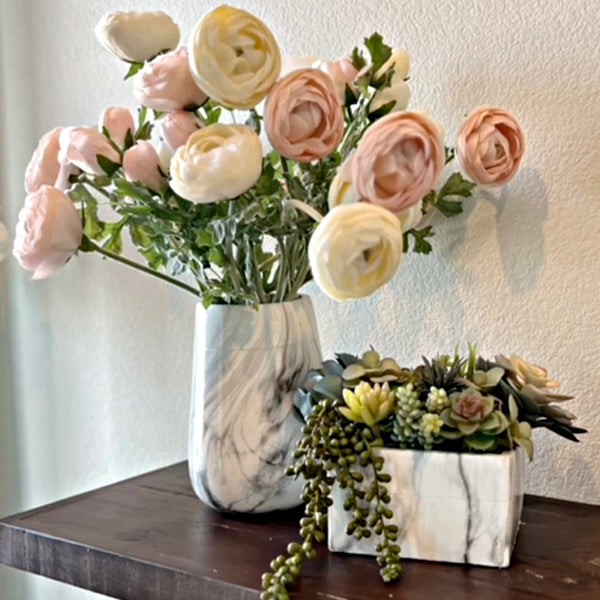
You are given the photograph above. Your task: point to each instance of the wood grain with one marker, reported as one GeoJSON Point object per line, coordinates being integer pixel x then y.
{"type": "Point", "coordinates": [150, 538]}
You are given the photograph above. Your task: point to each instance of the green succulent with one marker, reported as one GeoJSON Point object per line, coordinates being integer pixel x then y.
{"type": "Point", "coordinates": [437, 399]}
{"type": "Point", "coordinates": [442, 373]}
{"type": "Point", "coordinates": [409, 410]}
{"type": "Point", "coordinates": [368, 404]}
{"type": "Point", "coordinates": [474, 416]}
{"type": "Point", "coordinates": [372, 367]}
{"type": "Point", "coordinates": [430, 427]}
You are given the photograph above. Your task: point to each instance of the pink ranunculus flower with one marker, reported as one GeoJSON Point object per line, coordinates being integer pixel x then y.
{"type": "Point", "coordinates": [398, 161]}
{"type": "Point", "coordinates": [141, 165]}
{"type": "Point", "coordinates": [171, 132]}
{"type": "Point", "coordinates": [48, 232]}
{"type": "Point", "coordinates": [117, 121]}
{"type": "Point", "coordinates": [43, 168]}
{"type": "Point", "coordinates": [81, 146]}
{"type": "Point", "coordinates": [166, 83]}
{"type": "Point", "coordinates": [490, 146]}
{"type": "Point", "coordinates": [303, 116]}
{"type": "Point", "coordinates": [343, 73]}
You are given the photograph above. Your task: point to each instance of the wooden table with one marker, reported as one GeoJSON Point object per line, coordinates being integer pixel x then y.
{"type": "Point", "coordinates": [150, 538]}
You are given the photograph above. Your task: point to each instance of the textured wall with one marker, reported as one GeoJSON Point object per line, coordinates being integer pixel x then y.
{"type": "Point", "coordinates": [102, 356]}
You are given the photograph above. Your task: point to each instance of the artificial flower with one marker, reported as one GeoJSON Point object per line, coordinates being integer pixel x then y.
{"type": "Point", "coordinates": [291, 63]}
{"type": "Point", "coordinates": [410, 217]}
{"type": "Point", "coordinates": [141, 165]}
{"type": "Point", "coordinates": [137, 36]}
{"type": "Point", "coordinates": [172, 131]}
{"type": "Point", "coordinates": [44, 167]}
{"type": "Point", "coordinates": [81, 146]}
{"type": "Point", "coordinates": [398, 90]}
{"type": "Point", "coordinates": [490, 146]}
{"type": "Point", "coordinates": [216, 163]}
{"type": "Point", "coordinates": [118, 122]}
{"type": "Point", "coordinates": [48, 232]}
{"type": "Point", "coordinates": [303, 116]}
{"type": "Point", "coordinates": [522, 372]}
{"type": "Point", "coordinates": [355, 250]}
{"type": "Point", "coordinates": [342, 71]}
{"type": "Point", "coordinates": [341, 190]}
{"type": "Point", "coordinates": [398, 161]}
{"type": "Point", "coordinates": [166, 83]}
{"type": "Point", "coordinates": [234, 57]}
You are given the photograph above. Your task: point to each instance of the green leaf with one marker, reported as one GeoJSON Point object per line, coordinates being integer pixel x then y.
{"type": "Point", "coordinates": [133, 69]}
{"type": "Point", "coordinates": [215, 256]}
{"type": "Point", "coordinates": [481, 441]}
{"type": "Point", "coordinates": [254, 121]}
{"type": "Point", "coordinates": [358, 59]}
{"type": "Point", "coordinates": [107, 165]}
{"type": "Point", "coordinates": [378, 50]}
{"type": "Point", "coordinates": [449, 208]}
{"type": "Point", "coordinates": [420, 243]}
{"type": "Point", "coordinates": [204, 239]}
{"type": "Point", "coordinates": [456, 185]}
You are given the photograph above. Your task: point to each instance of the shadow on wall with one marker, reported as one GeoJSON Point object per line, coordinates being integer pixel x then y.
{"type": "Point", "coordinates": [521, 217]}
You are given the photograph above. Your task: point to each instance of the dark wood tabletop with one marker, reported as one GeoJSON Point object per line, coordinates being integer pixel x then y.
{"type": "Point", "coordinates": [150, 538]}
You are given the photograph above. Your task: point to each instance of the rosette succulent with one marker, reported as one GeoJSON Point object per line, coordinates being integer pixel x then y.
{"type": "Point", "coordinates": [368, 404]}
{"type": "Point", "coordinates": [372, 367]}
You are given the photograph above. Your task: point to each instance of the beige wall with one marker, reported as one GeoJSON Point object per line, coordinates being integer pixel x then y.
{"type": "Point", "coordinates": [101, 357]}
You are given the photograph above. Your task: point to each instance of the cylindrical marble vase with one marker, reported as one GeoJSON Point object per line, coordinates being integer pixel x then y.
{"type": "Point", "coordinates": [248, 365]}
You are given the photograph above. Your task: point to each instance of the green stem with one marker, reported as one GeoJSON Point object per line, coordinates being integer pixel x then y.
{"type": "Point", "coordinates": [87, 245]}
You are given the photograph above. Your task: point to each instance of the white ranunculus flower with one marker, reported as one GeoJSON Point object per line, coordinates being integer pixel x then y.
{"type": "Point", "coordinates": [355, 250]}
{"type": "Point", "coordinates": [398, 91]}
{"type": "Point", "coordinates": [234, 57]}
{"type": "Point", "coordinates": [218, 162]}
{"type": "Point", "coordinates": [4, 242]}
{"type": "Point", "coordinates": [341, 190]}
{"type": "Point", "coordinates": [410, 217]}
{"type": "Point", "coordinates": [291, 63]}
{"type": "Point", "coordinates": [137, 36]}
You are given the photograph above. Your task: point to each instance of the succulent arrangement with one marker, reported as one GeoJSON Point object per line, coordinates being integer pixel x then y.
{"type": "Point", "coordinates": [354, 405]}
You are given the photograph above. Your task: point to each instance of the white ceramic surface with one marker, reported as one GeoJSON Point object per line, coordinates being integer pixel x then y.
{"type": "Point", "coordinates": [449, 507]}
{"type": "Point", "coordinates": [243, 428]}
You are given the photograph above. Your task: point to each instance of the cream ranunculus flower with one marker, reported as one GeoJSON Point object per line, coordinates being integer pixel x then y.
{"type": "Point", "coordinates": [398, 91]}
{"type": "Point", "coordinates": [137, 36]}
{"type": "Point", "coordinates": [341, 190]}
{"type": "Point", "coordinates": [355, 250]}
{"type": "Point", "coordinates": [218, 162]}
{"type": "Point", "coordinates": [234, 57]}
{"type": "Point", "coordinates": [411, 217]}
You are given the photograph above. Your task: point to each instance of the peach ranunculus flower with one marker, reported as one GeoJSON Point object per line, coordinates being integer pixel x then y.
{"type": "Point", "coordinates": [141, 164]}
{"type": "Point", "coordinates": [117, 121]}
{"type": "Point", "coordinates": [398, 161]}
{"type": "Point", "coordinates": [234, 57]}
{"type": "Point", "coordinates": [172, 131]}
{"type": "Point", "coordinates": [490, 146]}
{"type": "Point", "coordinates": [355, 250]}
{"type": "Point", "coordinates": [48, 232]}
{"type": "Point", "coordinates": [342, 71]}
{"type": "Point", "coordinates": [137, 36]}
{"type": "Point", "coordinates": [166, 83]}
{"type": "Point", "coordinates": [303, 116]}
{"type": "Point", "coordinates": [43, 168]}
{"type": "Point", "coordinates": [81, 146]}
{"type": "Point", "coordinates": [218, 162]}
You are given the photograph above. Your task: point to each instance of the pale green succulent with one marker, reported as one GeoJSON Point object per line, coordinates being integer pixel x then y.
{"type": "Point", "coordinates": [368, 404]}
{"type": "Point", "coordinates": [430, 427]}
{"type": "Point", "coordinates": [472, 412]}
{"type": "Point", "coordinates": [486, 380]}
{"type": "Point", "coordinates": [409, 410]}
{"type": "Point", "coordinates": [520, 431]}
{"type": "Point", "coordinates": [437, 399]}
{"type": "Point", "coordinates": [372, 367]}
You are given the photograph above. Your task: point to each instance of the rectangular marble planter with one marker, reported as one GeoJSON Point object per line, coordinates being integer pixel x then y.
{"type": "Point", "coordinates": [449, 507]}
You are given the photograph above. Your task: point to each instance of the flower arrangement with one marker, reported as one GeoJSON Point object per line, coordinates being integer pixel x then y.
{"type": "Point", "coordinates": [354, 406]}
{"type": "Point", "coordinates": [231, 217]}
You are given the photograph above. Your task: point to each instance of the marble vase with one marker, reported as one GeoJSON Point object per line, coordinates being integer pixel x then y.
{"type": "Point", "coordinates": [449, 507]}
{"type": "Point", "coordinates": [244, 429]}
